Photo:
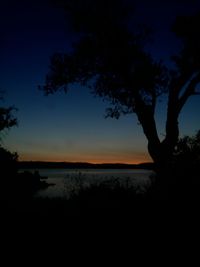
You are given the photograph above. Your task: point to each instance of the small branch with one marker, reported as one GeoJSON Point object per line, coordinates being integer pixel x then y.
{"type": "Point", "coordinates": [189, 91]}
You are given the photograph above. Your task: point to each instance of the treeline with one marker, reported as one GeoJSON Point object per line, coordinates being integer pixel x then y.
{"type": "Point", "coordinates": [80, 165]}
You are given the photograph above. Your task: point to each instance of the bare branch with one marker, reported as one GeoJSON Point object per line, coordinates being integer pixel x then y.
{"type": "Point", "coordinates": [189, 91]}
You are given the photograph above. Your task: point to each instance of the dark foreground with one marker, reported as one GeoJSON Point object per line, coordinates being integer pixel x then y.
{"type": "Point", "coordinates": [101, 218]}
{"type": "Point", "coordinates": [106, 199]}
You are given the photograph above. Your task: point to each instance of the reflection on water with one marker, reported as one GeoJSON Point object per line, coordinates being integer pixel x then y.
{"type": "Point", "coordinates": [67, 181]}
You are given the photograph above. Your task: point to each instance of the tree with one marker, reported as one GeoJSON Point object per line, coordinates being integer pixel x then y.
{"type": "Point", "coordinates": [110, 57]}
{"type": "Point", "coordinates": [8, 160]}
{"type": "Point", "coordinates": [188, 150]}
{"type": "Point", "coordinates": [7, 120]}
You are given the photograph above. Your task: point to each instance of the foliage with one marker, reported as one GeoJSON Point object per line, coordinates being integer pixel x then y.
{"type": "Point", "coordinates": [188, 150]}
{"type": "Point", "coordinates": [7, 119]}
{"type": "Point", "coordinates": [108, 57]}
{"type": "Point", "coordinates": [8, 161]}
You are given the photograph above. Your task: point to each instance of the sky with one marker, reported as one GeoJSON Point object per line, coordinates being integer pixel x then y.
{"type": "Point", "coordinates": [72, 126]}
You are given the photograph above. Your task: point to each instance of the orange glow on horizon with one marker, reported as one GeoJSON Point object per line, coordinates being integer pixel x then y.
{"type": "Point", "coordinates": [135, 159]}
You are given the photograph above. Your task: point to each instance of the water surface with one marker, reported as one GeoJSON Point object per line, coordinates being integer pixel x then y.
{"type": "Point", "coordinates": [67, 181]}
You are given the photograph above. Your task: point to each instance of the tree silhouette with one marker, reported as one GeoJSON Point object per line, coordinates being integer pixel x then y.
{"type": "Point", "coordinates": [188, 150]}
{"type": "Point", "coordinates": [109, 56]}
{"type": "Point", "coordinates": [8, 160]}
{"type": "Point", "coordinates": [7, 120]}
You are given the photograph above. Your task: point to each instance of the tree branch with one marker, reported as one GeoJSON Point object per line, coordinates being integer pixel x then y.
{"type": "Point", "coordinates": [189, 91]}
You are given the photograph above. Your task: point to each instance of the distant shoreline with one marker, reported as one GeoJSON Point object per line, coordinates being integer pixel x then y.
{"type": "Point", "coordinates": [82, 165]}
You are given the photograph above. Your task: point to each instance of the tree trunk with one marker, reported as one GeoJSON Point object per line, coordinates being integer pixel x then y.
{"type": "Point", "coordinates": [160, 152]}
{"type": "Point", "coordinates": [146, 118]}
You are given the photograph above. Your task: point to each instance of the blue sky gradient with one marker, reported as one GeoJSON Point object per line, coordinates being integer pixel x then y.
{"type": "Point", "coordinates": [72, 127]}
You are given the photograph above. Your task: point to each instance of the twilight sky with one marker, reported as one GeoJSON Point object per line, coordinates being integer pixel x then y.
{"type": "Point", "coordinates": [72, 127]}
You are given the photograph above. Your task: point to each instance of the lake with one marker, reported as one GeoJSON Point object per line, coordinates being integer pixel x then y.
{"type": "Point", "coordinates": [67, 181]}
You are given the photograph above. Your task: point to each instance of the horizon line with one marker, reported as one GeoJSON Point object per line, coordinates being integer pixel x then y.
{"type": "Point", "coordinates": [85, 162]}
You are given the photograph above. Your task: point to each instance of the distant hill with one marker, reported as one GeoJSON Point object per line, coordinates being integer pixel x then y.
{"type": "Point", "coordinates": [81, 165]}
